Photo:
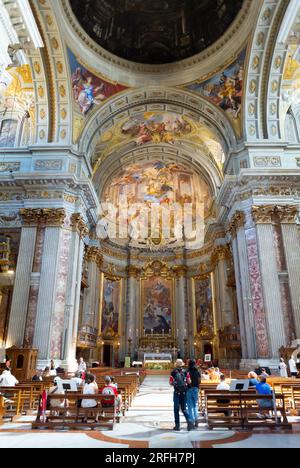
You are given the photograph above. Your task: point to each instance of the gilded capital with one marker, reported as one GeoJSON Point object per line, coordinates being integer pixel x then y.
{"type": "Point", "coordinates": [79, 225]}
{"type": "Point", "coordinates": [220, 253]}
{"type": "Point", "coordinates": [263, 214]}
{"type": "Point", "coordinates": [133, 271]}
{"type": "Point", "coordinates": [44, 217]}
{"type": "Point", "coordinates": [237, 222]}
{"type": "Point", "coordinates": [93, 255]}
{"type": "Point", "coordinates": [180, 271]}
{"type": "Point", "coordinates": [287, 214]}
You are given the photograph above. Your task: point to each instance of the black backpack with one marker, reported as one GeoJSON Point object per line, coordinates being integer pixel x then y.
{"type": "Point", "coordinates": [180, 382]}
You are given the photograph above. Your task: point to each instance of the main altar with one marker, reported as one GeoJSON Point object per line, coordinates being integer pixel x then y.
{"type": "Point", "coordinates": [157, 351]}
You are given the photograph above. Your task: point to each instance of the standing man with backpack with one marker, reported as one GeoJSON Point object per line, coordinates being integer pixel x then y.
{"type": "Point", "coordinates": [179, 381]}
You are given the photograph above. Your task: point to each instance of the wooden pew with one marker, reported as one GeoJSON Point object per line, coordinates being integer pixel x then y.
{"type": "Point", "coordinates": [239, 410]}
{"type": "Point", "coordinates": [72, 416]}
{"type": "Point", "coordinates": [2, 410]}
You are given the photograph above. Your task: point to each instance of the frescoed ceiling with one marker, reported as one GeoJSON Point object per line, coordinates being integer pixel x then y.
{"type": "Point", "coordinates": [155, 31]}
{"type": "Point", "coordinates": [156, 128]}
{"type": "Point", "coordinates": [225, 90]}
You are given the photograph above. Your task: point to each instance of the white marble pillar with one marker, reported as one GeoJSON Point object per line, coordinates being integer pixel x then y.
{"type": "Point", "coordinates": [92, 293]}
{"type": "Point", "coordinates": [72, 304]}
{"type": "Point", "coordinates": [290, 234]}
{"type": "Point", "coordinates": [182, 325]}
{"type": "Point", "coordinates": [17, 322]}
{"type": "Point", "coordinates": [271, 288]}
{"type": "Point", "coordinates": [132, 315]}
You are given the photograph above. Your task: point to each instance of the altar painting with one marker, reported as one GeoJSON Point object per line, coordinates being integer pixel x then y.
{"type": "Point", "coordinates": [157, 306]}
{"type": "Point", "coordinates": [110, 308]}
{"type": "Point", "coordinates": [204, 307]}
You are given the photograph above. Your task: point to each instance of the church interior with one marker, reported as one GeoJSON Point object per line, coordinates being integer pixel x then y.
{"type": "Point", "coordinates": [149, 213]}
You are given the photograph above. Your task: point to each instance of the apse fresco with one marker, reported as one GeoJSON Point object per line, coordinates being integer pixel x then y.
{"type": "Point", "coordinates": [157, 306]}
{"type": "Point", "coordinates": [291, 79]}
{"type": "Point", "coordinates": [160, 128]}
{"type": "Point", "coordinates": [110, 308]}
{"type": "Point", "coordinates": [158, 182]}
{"type": "Point", "coordinates": [226, 91]}
{"type": "Point", "coordinates": [90, 90]}
{"type": "Point", "coordinates": [204, 307]}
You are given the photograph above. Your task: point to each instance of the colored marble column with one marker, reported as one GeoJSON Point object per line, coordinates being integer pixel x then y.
{"type": "Point", "coordinates": [72, 302]}
{"type": "Point", "coordinates": [182, 323]}
{"type": "Point", "coordinates": [243, 282]}
{"type": "Point", "coordinates": [49, 282]}
{"type": "Point", "coordinates": [291, 240]}
{"type": "Point", "coordinates": [132, 314]}
{"type": "Point", "coordinates": [224, 316]}
{"type": "Point", "coordinates": [92, 293]}
{"type": "Point", "coordinates": [17, 322]}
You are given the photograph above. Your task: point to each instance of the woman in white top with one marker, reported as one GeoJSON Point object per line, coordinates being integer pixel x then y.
{"type": "Point", "coordinates": [7, 379]}
{"type": "Point", "coordinates": [223, 385]}
{"type": "Point", "coordinates": [283, 369]}
{"type": "Point", "coordinates": [90, 388]}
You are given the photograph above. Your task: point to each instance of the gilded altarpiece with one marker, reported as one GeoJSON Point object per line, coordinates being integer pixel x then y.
{"type": "Point", "coordinates": [204, 323]}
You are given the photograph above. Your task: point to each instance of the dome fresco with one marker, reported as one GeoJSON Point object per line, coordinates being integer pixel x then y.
{"type": "Point", "coordinates": [155, 31]}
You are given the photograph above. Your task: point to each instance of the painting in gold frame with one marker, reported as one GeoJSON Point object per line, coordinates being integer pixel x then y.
{"type": "Point", "coordinates": [203, 305]}
{"type": "Point", "coordinates": [111, 306]}
{"type": "Point", "coordinates": [157, 306]}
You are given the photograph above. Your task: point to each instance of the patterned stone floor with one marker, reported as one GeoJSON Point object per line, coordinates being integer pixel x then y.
{"type": "Point", "coordinates": [148, 424]}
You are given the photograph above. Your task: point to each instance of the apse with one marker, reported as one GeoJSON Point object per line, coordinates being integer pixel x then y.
{"type": "Point", "coordinates": [156, 31]}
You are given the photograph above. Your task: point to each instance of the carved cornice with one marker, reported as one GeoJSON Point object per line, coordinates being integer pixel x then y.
{"type": "Point", "coordinates": [79, 225]}
{"type": "Point", "coordinates": [44, 217]}
{"type": "Point", "coordinates": [264, 214]}
{"type": "Point", "coordinates": [236, 223]}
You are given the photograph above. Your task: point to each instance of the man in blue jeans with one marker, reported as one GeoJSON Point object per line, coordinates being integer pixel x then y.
{"type": "Point", "coordinates": [194, 381]}
{"type": "Point", "coordinates": [179, 380]}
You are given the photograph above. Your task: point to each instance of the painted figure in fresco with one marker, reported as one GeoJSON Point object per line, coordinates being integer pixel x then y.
{"type": "Point", "coordinates": [157, 311]}
{"type": "Point", "coordinates": [110, 314]}
{"type": "Point", "coordinates": [90, 96]}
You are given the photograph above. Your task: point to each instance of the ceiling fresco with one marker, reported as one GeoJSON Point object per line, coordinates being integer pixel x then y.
{"type": "Point", "coordinates": [158, 128]}
{"type": "Point", "coordinates": [155, 31]}
{"type": "Point", "coordinates": [90, 90]}
{"type": "Point", "coordinates": [225, 90]}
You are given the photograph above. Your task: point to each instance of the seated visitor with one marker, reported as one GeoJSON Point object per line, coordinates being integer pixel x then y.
{"type": "Point", "coordinates": [60, 371]}
{"type": "Point", "coordinates": [214, 377]}
{"type": "Point", "coordinates": [90, 388]}
{"type": "Point", "coordinates": [263, 388]}
{"type": "Point", "coordinates": [223, 386]}
{"type": "Point", "coordinates": [52, 403]}
{"type": "Point", "coordinates": [264, 373]}
{"type": "Point", "coordinates": [7, 379]}
{"type": "Point", "coordinates": [110, 391]}
{"type": "Point", "coordinates": [46, 373]}
{"type": "Point", "coordinates": [52, 369]}
{"type": "Point", "coordinates": [253, 379]}
{"type": "Point", "coordinates": [37, 377]}
{"type": "Point", "coordinates": [205, 376]}
{"type": "Point", "coordinates": [78, 379]}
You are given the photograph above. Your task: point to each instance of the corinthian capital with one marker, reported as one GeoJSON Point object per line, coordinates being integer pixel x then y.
{"type": "Point", "coordinates": [287, 214]}
{"type": "Point", "coordinates": [79, 225]}
{"type": "Point", "coordinates": [93, 255]}
{"type": "Point", "coordinates": [263, 214]}
{"type": "Point", "coordinates": [44, 217]}
{"type": "Point", "coordinates": [237, 222]}
{"type": "Point", "coordinates": [220, 253]}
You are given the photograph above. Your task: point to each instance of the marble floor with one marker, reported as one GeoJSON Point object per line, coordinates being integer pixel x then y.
{"type": "Point", "coordinates": [148, 424]}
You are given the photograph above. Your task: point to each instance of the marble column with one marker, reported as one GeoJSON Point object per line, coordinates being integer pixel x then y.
{"type": "Point", "coordinates": [291, 241]}
{"type": "Point", "coordinates": [271, 287]}
{"type": "Point", "coordinates": [182, 324]}
{"type": "Point", "coordinates": [17, 322]}
{"type": "Point", "coordinates": [132, 310]}
{"type": "Point", "coordinates": [244, 292]}
{"type": "Point", "coordinates": [5, 295]}
{"type": "Point", "coordinates": [225, 315]}
{"type": "Point", "coordinates": [92, 293]}
{"type": "Point", "coordinates": [48, 285]}
{"type": "Point", "coordinates": [72, 303]}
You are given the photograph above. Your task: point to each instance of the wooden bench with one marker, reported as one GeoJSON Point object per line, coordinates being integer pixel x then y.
{"type": "Point", "coordinates": [240, 410]}
{"type": "Point", "coordinates": [72, 416]}
{"type": "Point", "coordinates": [2, 410]}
